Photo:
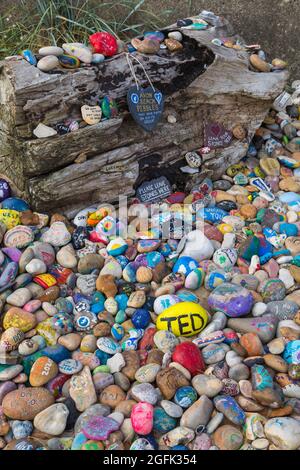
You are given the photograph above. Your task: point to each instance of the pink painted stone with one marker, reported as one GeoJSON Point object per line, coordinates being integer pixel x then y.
{"type": "Point", "coordinates": [98, 428]}
{"type": "Point", "coordinates": [32, 306]}
{"type": "Point", "coordinates": [13, 253]}
{"type": "Point", "coordinates": [142, 418]}
{"type": "Point", "coordinates": [272, 268]}
{"type": "Point", "coordinates": [202, 442]}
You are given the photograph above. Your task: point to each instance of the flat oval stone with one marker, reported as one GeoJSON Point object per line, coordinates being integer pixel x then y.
{"type": "Point", "coordinates": [183, 319]}
{"type": "Point", "coordinates": [99, 428]}
{"type": "Point", "coordinates": [229, 407]}
{"type": "Point", "coordinates": [70, 366]}
{"type": "Point", "coordinates": [18, 318]}
{"type": "Point", "coordinates": [142, 418]}
{"type": "Point", "coordinates": [48, 63]}
{"type": "Point", "coordinates": [26, 403]}
{"type": "Point", "coordinates": [42, 371]}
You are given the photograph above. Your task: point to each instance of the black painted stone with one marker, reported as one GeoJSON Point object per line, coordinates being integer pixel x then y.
{"type": "Point", "coordinates": [227, 206]}
{"type": "Point", "coordinates": [146, 106]}
{"type": "Point", "coordinates": [154, 190]}
{"type": "Point", "coordinates": [217, 136]}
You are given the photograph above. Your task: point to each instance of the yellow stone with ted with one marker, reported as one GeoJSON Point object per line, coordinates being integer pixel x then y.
{"type": "Point", "coordinates": [183, 319]}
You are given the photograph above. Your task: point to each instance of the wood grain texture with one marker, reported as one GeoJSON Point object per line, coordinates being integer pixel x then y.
{"type": "Point", "coordinates": [201, 84]}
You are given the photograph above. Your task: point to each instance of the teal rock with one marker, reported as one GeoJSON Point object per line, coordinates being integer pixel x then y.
{"type": "Point", "coordinates": [185, 396]}
{"type": "Point", "coordinates": [260, 378]}
{"type": "Point", "coordinates": [28, 361]}
{"type": "Point", "coordinates": [162, 422]}
{"type": "Point", "coordinates": [109, 107]}
{"type": "Point", "coordinates": [16, 204]}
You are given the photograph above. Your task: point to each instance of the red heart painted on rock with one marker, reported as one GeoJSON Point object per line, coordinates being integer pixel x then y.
{"type": "Point", "coordinates": [189, 356]}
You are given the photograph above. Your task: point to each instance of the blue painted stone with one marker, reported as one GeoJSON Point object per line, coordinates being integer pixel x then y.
{"type": "Point", "coordinates": [29, 56]}
{"type": "Point", "coordinates": [289, 197]}
{"type": "Point", "coordinates": [162, 422]}
{"type": "Point", "coordinates": [179, 447]}
{"type": "Point", "coordinates": [21, 429]}
{"type": "Point", "coordinates": [117, 331]}
{"type": "Point", "coordinates": [185, 396]}
{"type": "Point", "coordinates": [186, 296]}
{"type": "Point", "coordinates": [211, 214]}
{"type": "Point", "coordinates": [292, 352]}
{"type": "Point", "coordinates": [16, 204]}
{"type": "Point", "coordinates": [141, 318]}
{"type": "Point", "coordinates": [260, 378]}
{"type": "Point", "coordinates": [291, 230]}
{"type": "Point", "coordinates": [57, 353]}
{"type": "Point", "coordinates": [214, 279]}
{"type": "Point", "coordinates": [122, 260]}
{"type": "Point", "coordinates": [165, 249]}
{"type": "Point", "coordinates": [97, 307]}
{"type": "Point", "coordinates": [78, 441]}
{"type": "Point", "coordinates": [185, 265]}
{"type": "Point", "coordinates": [129, 272]}
{"type": "Point", "coordinates": [229, 407]}
{"type": "Point", "coordinates": [122, 300]}
{"type": "Point", "coordinates": [9, 274]}
{"type": "Point", "coordinates": [102, 356]}
{"type": "Point", "coordinates": [252, 152]}
{"type": "Point", "coordinates": [97, 297]}
{"type": "Point", "coordinates": [5, 190]}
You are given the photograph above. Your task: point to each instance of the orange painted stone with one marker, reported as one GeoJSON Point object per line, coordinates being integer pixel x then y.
{"type": "Point", "coordinates": [43, 370]}
{"type": "Point", "coordinates": [252, 343]}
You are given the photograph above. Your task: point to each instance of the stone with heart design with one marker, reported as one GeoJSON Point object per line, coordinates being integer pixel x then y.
{"type": "Point", "coordinates": [217, 136]}
{"type": "Point", "coordinates": [146, 106]}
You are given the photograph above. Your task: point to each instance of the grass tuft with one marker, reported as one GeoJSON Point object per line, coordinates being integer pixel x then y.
{"type": "Point", "coordinates": [57, 21]}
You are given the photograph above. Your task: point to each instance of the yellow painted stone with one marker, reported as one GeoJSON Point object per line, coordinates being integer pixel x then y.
{"type": "Point", "coordinates": [10, 218]}
{"type": "Point", "coordinates": [46, 330]}
{"type": "Point", "coordinates": [183, 319]}
{"type": "Point", "coordinates": [225, 228]}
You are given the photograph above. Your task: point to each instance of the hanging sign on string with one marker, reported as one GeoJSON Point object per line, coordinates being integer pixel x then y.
{"type": "Point", "coordinates": [145, 104]}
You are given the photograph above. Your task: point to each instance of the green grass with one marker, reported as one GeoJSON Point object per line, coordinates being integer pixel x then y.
{"type": "Point", "coordinates": [57, 21]}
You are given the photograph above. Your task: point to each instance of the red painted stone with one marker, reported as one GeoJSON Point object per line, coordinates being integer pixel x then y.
{"type": "Point", "coordinates": [104, 43]}
{"type": "Point", "coordinates": [147, 342]}
{"type": "Point", "coordinates": [189, 356]}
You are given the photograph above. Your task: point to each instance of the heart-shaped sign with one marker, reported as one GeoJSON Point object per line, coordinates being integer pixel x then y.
{"type": "Point", "coordinates": [217, 136]}
{"type": "Point", "coordinates": [146, 106]}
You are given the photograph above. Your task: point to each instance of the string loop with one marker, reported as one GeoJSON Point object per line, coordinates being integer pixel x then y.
{"type": "Point", "coordinates": [129, 58]}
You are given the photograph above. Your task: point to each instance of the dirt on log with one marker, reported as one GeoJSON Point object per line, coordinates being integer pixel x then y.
{"type": "Point", "coordinates": [203, 83]}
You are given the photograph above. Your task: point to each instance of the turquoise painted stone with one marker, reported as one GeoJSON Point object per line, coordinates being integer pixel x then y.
{"type": "Point", "coordinates": [260, 378]}
{"type": "Point", "coordinates": [292, 352]}
{"type": "Point", "coordinates": [78, 441]}
{"type": "Point", "coordinates": [233, 300]}
{"type": "Point", "coordinates": [229, 407]}
{"type": "Point", "coordinates": [28, 361]}
{"type": "Point", "coordinates": [122, 300]}
{"type": "Point", "coordinates": [109, 107]}
{"type": "Point", "coordinates": [102, 356]}
{"type": "Point", "coordinates": [29, 56]}
{"type": "Point", "coordinates": [162, 422]}
{"type": "Point", "coordinates": [185, 396]}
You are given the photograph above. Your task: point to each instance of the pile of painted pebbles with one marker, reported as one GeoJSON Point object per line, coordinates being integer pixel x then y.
{"type": "Point", "coordinates": [120, 343]}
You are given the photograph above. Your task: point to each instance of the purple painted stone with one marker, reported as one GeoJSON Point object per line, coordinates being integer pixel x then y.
{"type": "Point", "coordinates": [234, 300]}
{"type": "Point", "coordinates": [13, 253]}
{"type": "Point", "coordinates": [9, 274]}
{"type": "Point", "coordinates": [5, 388]}
{"type": "Point", "coordinates": [5, 191]}
{"type": "Point", "coordinates": [98, 428]}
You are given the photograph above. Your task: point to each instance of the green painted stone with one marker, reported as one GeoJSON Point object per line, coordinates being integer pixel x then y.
{"type": "Point", "coordinates": [102, 368]}
{"type": "Point", "coordinates": [28, 361]}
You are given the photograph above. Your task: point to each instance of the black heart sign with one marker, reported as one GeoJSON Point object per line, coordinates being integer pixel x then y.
{"type": "Point", "coordinates": [146, 106]}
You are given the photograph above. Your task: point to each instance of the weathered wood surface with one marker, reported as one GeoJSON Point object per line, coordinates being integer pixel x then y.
{"type": "Point", "coordinates": [203, 83]}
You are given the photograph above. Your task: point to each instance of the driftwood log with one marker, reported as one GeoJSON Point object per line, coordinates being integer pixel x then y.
{"type": "Point", "coordinates": [202, 83]}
